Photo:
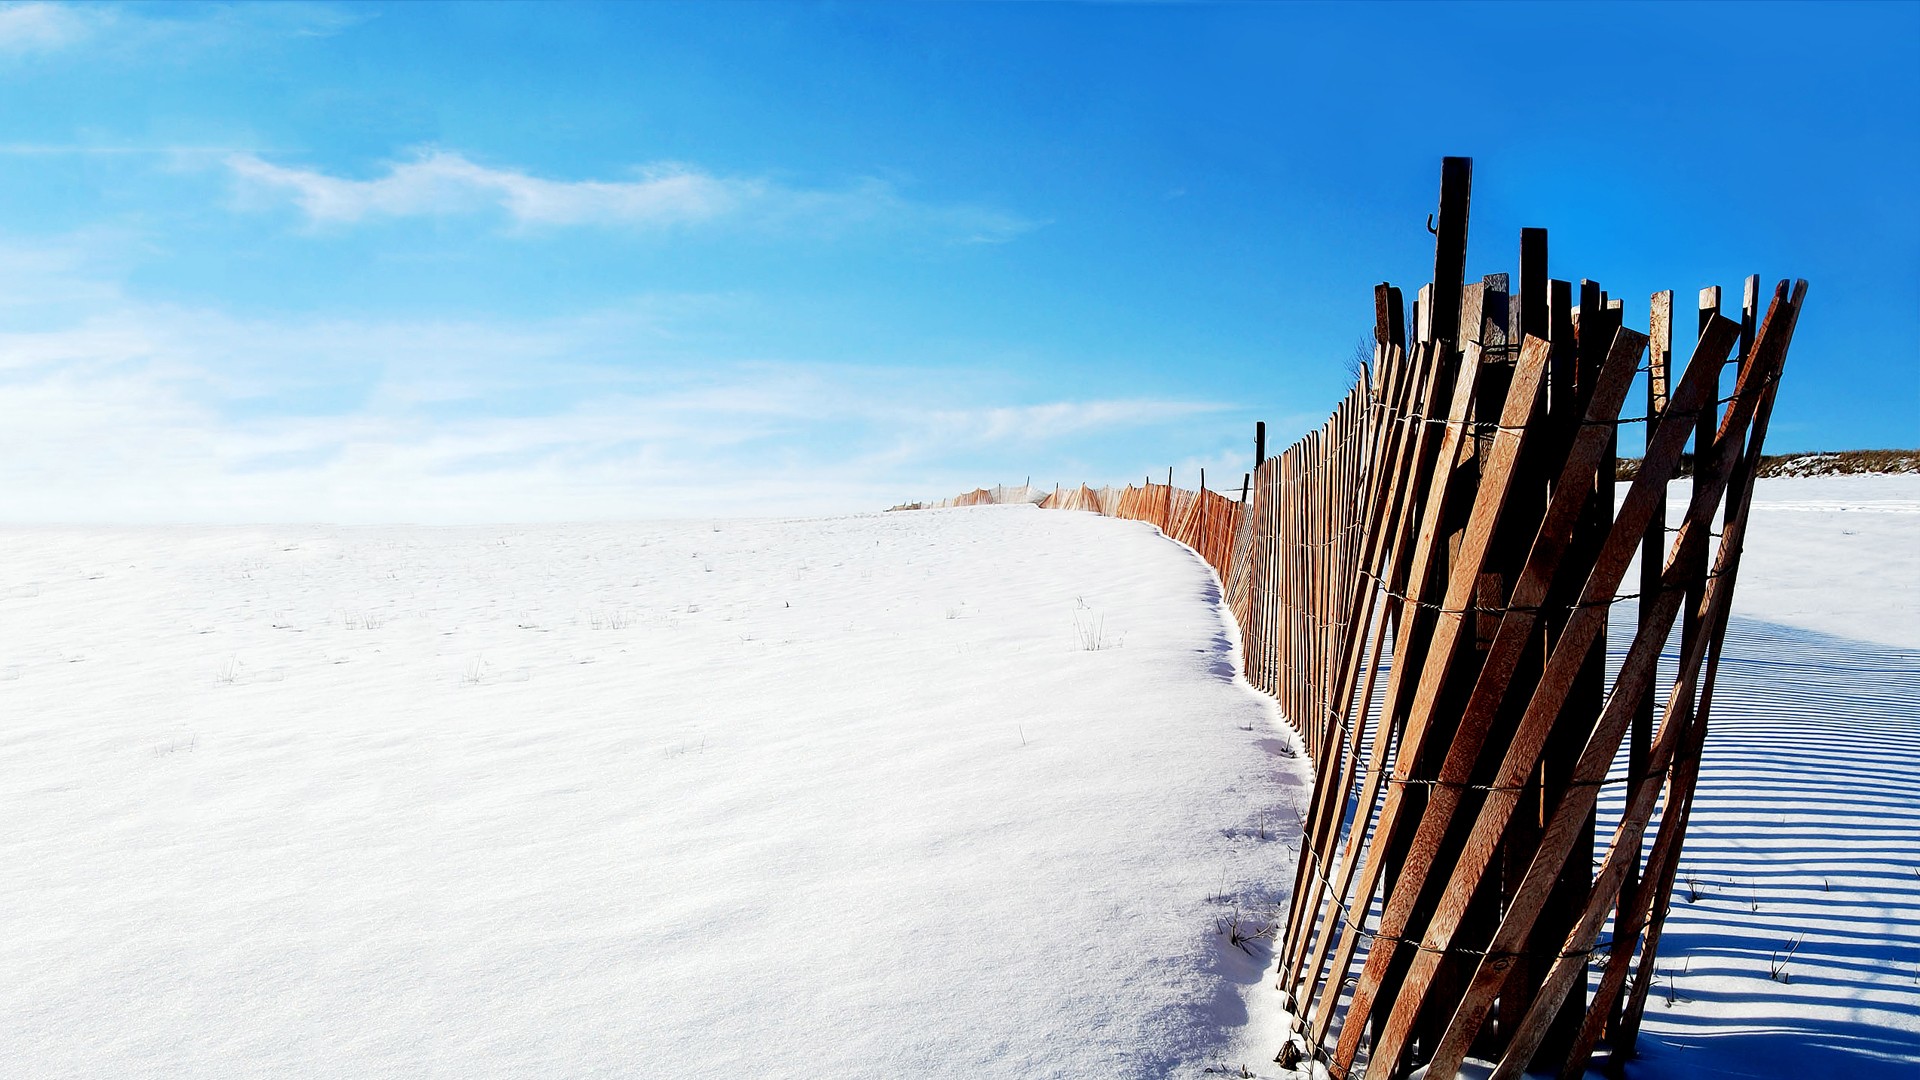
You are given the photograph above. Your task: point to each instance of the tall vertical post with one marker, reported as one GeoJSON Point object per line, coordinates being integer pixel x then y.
{"type": "Point", "coordinates": [1653, 552]}
{"type": "Point", "coordinates": [1532, 307]}
{"type": "Point", "coordinates": [1441, 322]}
{"type": "Point", "coordinates": [1749, 320]}
{"type": "Point", "coordinates": [1594, 324]}
{"type": "Point", "coordinates": [1450, 247]}
{"type": "Point", "coordinates": [1556, 762]}
{"type": "Point", "coordinates": [1703, 431]}
{"type": "Point", "coordinates": [1526, 506]}
{"type": "Point", "coordinates": [1389, 320]}
{"type": "Point", "coordinates": [1705, 423]}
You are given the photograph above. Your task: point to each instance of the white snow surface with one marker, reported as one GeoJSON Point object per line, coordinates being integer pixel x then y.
{"type": "Point", "coordinates": [1793, 944]}
{"type": "Point", "coordinates": [1836, 554]}
{"type": "Point", "coordinates": [815, 798]}
{"type": "Point", "coordinates": [819, 798]}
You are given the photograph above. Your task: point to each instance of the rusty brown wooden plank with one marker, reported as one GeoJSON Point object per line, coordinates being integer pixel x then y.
{"type": "Point", "coordinates": [1646, 900]}
{"type": "Point", "coordinates": [1389, 320]}
{"type": "Point", "coordinates": [1677, 727]}
{"type": "Point", "coordinates": [1597, 320]}
{"type": "Point", "coordinates": [1529, 741]}
{"type": "Point", "coordinates": [1749, 312]}
{"type": "Point", "coordinates": [1435, 473]}
{"type": "Point", "coordinates": [1636, 671]}
{"type": "Point", "coordinates": [1450, 247]}
{"type": "Point", "coordinates": [1269, 564]}
{"type": "Point", "coordinates": [1523, 401]}
{"type": "Point", "coordinates": [1535, 311]}
{"type": "Point", "coordinates": [1659, 357]}
{"type": "Point", "coordinates": [1386, 560]}
{"type": "Point", "coordinates": [1530, 307]}
{"type": "Point", "coordinates": [1411, 548]}
{"type": "Point", "coordinates": [1627, 1030]}
{"type": "Point", "coordinates": [1504, 654]}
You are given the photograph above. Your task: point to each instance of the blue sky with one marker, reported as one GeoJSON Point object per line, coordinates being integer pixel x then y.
{"type": "Point", "coordinates": [499, 262]}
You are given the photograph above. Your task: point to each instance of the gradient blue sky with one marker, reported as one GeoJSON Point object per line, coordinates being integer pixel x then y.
{"type": "Point", "coordinates": [499, 262]}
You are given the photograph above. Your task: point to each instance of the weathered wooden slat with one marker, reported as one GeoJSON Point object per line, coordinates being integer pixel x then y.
{"type": "Point", "coordinates": [1389, 321]}
{"type": "Point", "coordinates": [1653, 545]}
{"type": "Point", "coordinates": [1390, 568]}
{"type": "Point", "coordinates": [1660, 334]}
{"type": "Point", "coordinates": [1562, 429]}
{"type": "Point", "coordinates": [1504, 654]}
{"type": "Point", "coordinates": [1437, 473]}
{"type": "Point", "coordinates": [1450, 247]}
{"type": "Point", "coordinates": [1645, 902]}
{"type": "Point", "coordinates": [1731, 444]}
{"type": "Point", "coordinates": [1523, 400]}
{"type": "Point", "coordinates": [1628, 1029]}
{"type": "Point", "coordinates": [1597, 319]}
{"type": "Point", "coordinates": [1570, 814]}
{"type": "Point", "coordinates": [1523, 753]}
{"type": "Point", "coordinates": [1530, 308]}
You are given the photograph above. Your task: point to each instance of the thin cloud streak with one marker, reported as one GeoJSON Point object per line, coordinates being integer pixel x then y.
{"type": "Point", "coordinates": [48, 29]}
{"type": "Point", "coordinates": [660, 196]}
{"type": "Point", "coordinates": [1054, 420]}
{"type": "Point", "coordinates": [42, 28]}
{"type": "Point", "coordinates": [77, 149]}
{"type": "Point", "coordinates": [441, 183]}
{"type": "Point", "coordinates": [152, 413]}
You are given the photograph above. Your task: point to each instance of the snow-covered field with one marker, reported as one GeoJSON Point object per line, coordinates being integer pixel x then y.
{"type": "Point", "coordinates": [788, 799]}
{"type": "Point", "coordinates": [1806, 827]}
{"type": "Point", "coordinates": [967, 793]}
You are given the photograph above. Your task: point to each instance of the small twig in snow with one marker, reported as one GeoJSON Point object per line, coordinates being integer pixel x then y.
{"type": "Point", "coordinates": [1777, 967]}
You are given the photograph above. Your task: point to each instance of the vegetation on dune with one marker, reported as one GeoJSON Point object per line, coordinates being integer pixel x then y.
{"type": "Point", "coordinates": [1820, 463]}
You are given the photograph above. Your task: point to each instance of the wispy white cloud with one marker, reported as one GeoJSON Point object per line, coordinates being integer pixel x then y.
{"type": "Point", "coordinates": [114, 150]}
{"type": "Point", "coordinates": [443, 183]}
{"type": "Point", "coordinates": [42, 27]}
{"type": "Point", "coordinates": [661, 195]}
{"type": "Point", "coordinates": [115, 409]}
{"type": "Point", "coordinates": [1060, 419]}
{"type": "Point", "coordinates": [38, 27]}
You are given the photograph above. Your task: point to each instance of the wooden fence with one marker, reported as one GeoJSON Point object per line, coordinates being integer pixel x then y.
{"type": "Point", "coordinates": [1425, 585]}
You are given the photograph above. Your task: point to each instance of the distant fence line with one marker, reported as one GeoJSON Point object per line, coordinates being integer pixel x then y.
{"type": "Point", "coordinates": [1424, 585]}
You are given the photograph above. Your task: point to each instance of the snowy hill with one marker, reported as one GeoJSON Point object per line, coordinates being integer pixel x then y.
{"type": "Point", "coordinates": [806, 798]}
{"type": "Point", "coordinates": [965, 793]}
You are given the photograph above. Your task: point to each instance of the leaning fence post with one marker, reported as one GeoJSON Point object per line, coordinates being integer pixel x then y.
{"type": "Point", "coordinates": [1653, 550]}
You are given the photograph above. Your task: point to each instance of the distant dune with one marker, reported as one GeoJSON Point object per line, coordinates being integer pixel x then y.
{"type": "Point", "coordinates": [1817, 463]}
